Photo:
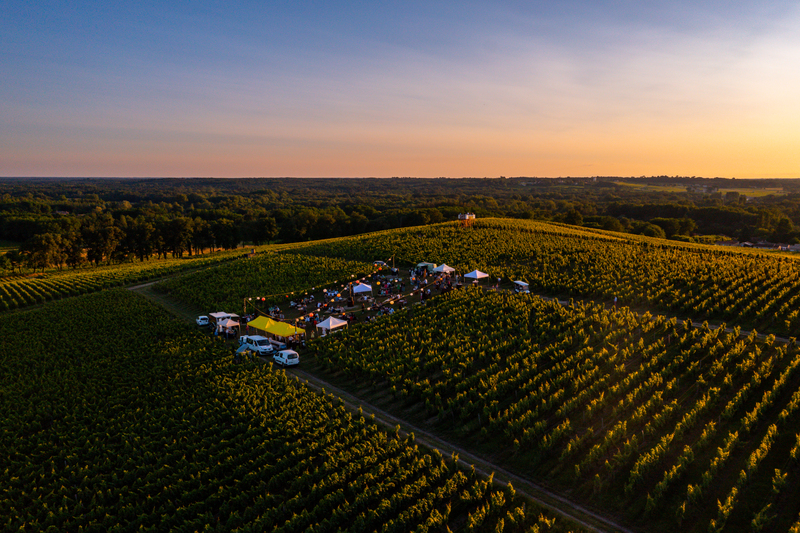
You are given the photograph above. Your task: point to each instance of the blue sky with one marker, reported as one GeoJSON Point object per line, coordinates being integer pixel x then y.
{"type": "Point", "coordinates": [413, 89]}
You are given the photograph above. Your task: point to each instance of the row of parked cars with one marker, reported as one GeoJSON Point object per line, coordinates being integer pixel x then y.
{"type": "Point", "coordinates": [265, 347]}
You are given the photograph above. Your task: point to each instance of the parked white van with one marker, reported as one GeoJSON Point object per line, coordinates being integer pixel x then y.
{"type": "Point", "coordinates": [257, 343]}
{"type": "Point", "coordinates": [286, 358]}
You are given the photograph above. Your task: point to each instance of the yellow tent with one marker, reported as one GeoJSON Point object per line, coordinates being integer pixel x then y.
{"type": "Point", "coordinates": [281, 329]}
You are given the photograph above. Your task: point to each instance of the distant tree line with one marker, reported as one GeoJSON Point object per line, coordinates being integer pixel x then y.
{"type": "Point", "coordinates": [71, 223]}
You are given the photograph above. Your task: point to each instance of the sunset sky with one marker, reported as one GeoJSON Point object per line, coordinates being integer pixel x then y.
{"type": "Point", "coordinates": [573, 88]}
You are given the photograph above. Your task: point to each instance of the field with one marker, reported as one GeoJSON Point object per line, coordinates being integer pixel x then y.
{"type": "Point", "coordinates": [652, 188]}
{"type": "Point", "coordinates": [744, 191]}
{"type": "Point", "coordinates": [159, 430]}
{"type": "Point", "coordinates": [638, 410]}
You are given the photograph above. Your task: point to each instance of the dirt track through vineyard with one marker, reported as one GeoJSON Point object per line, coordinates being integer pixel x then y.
{"type": "Point", "coordinates": [585, 517]}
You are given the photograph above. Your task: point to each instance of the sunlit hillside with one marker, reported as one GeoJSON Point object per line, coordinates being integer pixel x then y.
{"type": "Point", "coordinates": [742, 287]}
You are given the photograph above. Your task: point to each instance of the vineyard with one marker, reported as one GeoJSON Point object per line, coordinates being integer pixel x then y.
{"type": "Point", "coordinates": [19, 292]}
{"type": "Point", "coordinates": [753, 290]}
{"type": "Point", "coordinates": [116, 416]}
{"type": "Point", "coordinates": [160, 431]}
{"type": "Point", "coordinates": [278, 278]}
{"type": "Point", "coordinates": [677, 427]}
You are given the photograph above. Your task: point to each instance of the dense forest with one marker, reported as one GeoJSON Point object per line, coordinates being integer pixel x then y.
{"type": "Point", "coordinates": [83, 222]}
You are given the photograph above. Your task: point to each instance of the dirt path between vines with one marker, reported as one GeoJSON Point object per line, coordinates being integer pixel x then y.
{"type": "Point", "coordinates": [186, 312]}
{"type": "Point", "coordinates": [570, 510]}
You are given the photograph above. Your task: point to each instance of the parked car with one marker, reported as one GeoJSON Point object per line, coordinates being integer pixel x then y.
{"type": "Point", "coordinates": [379, 264]}
{"type": "Point", "coordinates": [257, 343]}
{"type": "Point", "coordinates": [286, 358]}
{"type": "Point", "coordinates": [520, 287]}
{"type": "Point", "coordinates": [202, 320]}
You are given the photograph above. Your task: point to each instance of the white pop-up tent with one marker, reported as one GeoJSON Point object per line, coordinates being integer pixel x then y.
{"type": "Point", "coordinates": [476, 275]}
{"type": "Point", "coordinates": [330, 324]}
{"type": "Point", "coordinates": [444, 268]}
{"type": "Point", "coordinates": [226, 326]}
{"type": "Point", "coordinates": [521, 286]}
{"type": "Point", "coordinates": [361, 287]}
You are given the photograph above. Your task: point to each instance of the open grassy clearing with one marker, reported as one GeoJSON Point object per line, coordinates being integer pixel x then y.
{"type": "Point", "coordinates": [652, 188]}
{"type": "Point", "coordinates": [744, 191]}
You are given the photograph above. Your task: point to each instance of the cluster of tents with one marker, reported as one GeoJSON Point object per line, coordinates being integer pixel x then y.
{"type": "Point", "coordinates": [224, 322]}
{"type": "Point", "coordinates": [475, 275]}
{"type": "Point", "coordinates": [227, 321]}
{"type": "Point", "coordinates": [275, 327]}
{"type": "Point", "coordinates": [282, 329]}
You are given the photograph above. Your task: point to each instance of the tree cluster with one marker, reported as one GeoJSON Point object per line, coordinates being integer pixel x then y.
{"type": "Point", "coordinates": [73, 222]}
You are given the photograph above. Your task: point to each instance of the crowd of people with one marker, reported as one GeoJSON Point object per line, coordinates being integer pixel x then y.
{"type": "Point", "coordinates": [391, 286]}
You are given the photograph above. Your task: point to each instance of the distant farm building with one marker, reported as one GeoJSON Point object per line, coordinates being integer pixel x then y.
{"type": "Point", "coordinates": [702, 189]}
{"type": "Point", "coordinates": [466, 219]}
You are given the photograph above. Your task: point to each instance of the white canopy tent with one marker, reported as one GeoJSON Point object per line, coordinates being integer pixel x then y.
{"type": "Point", "coordinates": [330, 324]}
{"type": "Point", "coordinates": [228, 323]}
{"type": "Point", "coordinates": [476, 275]}
{"type": "Point", "coordinates": [225, 326]}
{"type": "Point", "coordinates": [361, 287]}
{"type": "Point", "coordinates": [444, 268]}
